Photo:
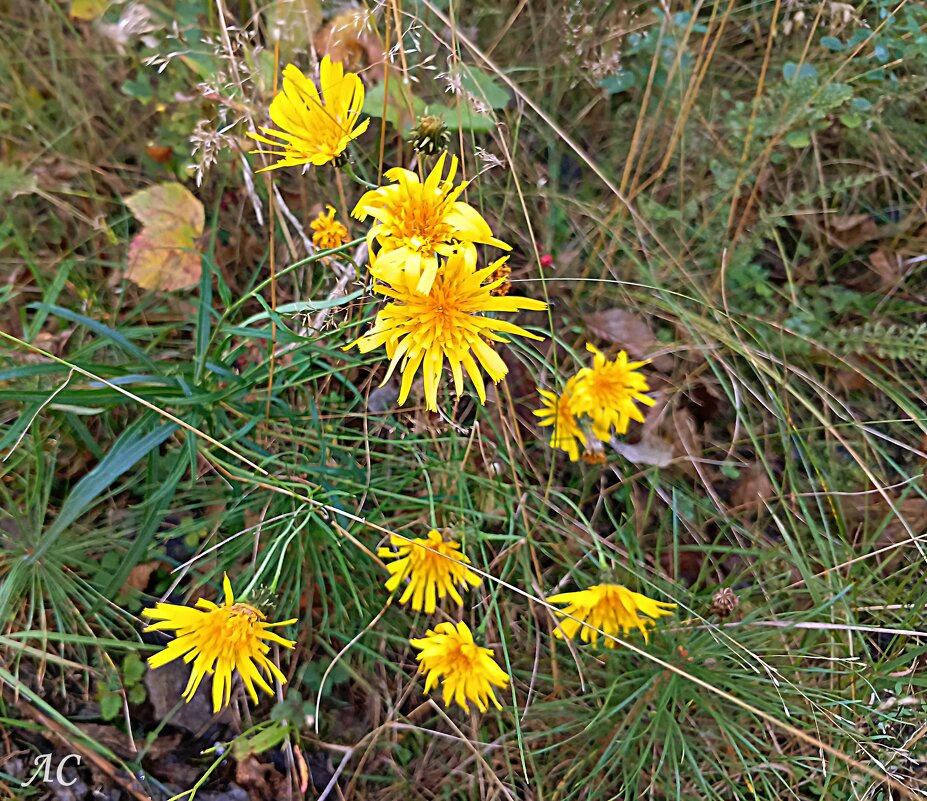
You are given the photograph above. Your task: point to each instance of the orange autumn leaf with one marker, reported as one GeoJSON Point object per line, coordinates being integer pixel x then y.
{"type": "Point", "coordinates": [164, 254]}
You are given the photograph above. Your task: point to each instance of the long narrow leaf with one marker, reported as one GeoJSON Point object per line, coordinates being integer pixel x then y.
{"type": "Point", "coordinates": [132, 446]}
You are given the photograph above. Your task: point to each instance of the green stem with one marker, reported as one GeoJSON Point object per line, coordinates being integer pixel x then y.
{"type": "Point", "coordinates": [349, 171]}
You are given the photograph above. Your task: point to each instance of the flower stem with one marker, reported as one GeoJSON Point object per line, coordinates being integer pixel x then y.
{"type": "Point", "coordinates": [349, 171]}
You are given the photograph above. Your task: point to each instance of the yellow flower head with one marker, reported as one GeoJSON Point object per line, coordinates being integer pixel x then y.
{"type": "Point", "coordinates": [469, 671]}
{"type": "Point", "coordinates": [329, 233]}
{"type": "Point", "coordinates": [607, 392]}
{"type": "Point", "coordinates": [422, 330]}
{"type": "Point", "coordinates": [558, 412]}
{"type": "Point", "coordinates": [417, 222]}
{"type": "Point", "coordinates": [609, 607]}
{"type": "Point", "coordinates": [432, 565]}
{"type": "Point", "coordinates": [219, 640]}
{"type": "Point", "coordinates": [316, 128]}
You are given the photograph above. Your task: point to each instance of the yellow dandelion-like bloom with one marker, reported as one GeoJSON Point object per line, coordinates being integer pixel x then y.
{"type": "Point", "coordinates": [417, 222]}
{"type": "Point", "coordinates": [434, 566]}
{"type": "Point", "coordinates": [558, 412]}
{"type": "Point", "coordinates": [610, 607]}
{"type": "Point", "coordinates": [422, 330]}
{"type": "Point", "coordinates": [329, 233]}
{"type": "Point", "coordinates": [316, 128]}
{"type": "Point", "coordinates": [607, 392]}
{"type": "Point", "coordinates": [468, 670]}
{"type": "Point", "coordinates": [219, 640]}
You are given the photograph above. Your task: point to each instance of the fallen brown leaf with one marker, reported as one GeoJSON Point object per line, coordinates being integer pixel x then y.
{"type": "Point", "coordinates": [350, 39]}
{"type": "Point", "coordinates": [752, 490]}
{"type": "Point", "coordinates": [139, 575]}
{"type": "Point", "coordinates": [651, 450]}
{"type": "Point", "coordinates": [629, 331]}
{"type": "Point", "coordinates": [256, 778]}
{"type": "Point", "coordinates": [163, 255]}
{"type": "Point", "coordinates": [887, 267]}
{"type": "Point", "coordinates": [848, 231]}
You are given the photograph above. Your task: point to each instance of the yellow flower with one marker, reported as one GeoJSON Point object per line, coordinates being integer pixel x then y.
{"type": "Point", "coordinates": [329, 233]}
{"type": "Point", "coordinates": [219, 640]}
{"type": "Point", "coordinates": [558, 412]}
{"type": "Point", "coordinates": [609, 607]}
{"type": "Point", "coordinates": [315, 129]}
{"type": "Point", "coordinates": [469, 671]}
{"type": "Point", "coordinates": [422, 330]}
{"type": "Point", "coordinates": [607, 392]}
{"type": "Point", "coordinates": [432, 565]}
{"type": "Point", "coordinates": [417, 222]}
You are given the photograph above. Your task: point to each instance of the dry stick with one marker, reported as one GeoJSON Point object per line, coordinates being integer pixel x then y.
{"type": "Point", "coordinates": [456, 62]}
{"type": "Point", "coordinates": [751, 125]}
{"type": "Point", "coordinates": [469, 743]}
{"type": "Point", "coordinates": [634, 190]}
{"type": "Point", "coordinates": [733, 699]}
{"type": "Point", "coordinates": [38, 411]}
{"type": "Point", "coordinates": [386, 48]}
{"type": "Point", "coordinates": [639, 123]}
{"type": "Point", "coordinates": [342, 652]}
{"type": "Point", "coordinates": [269, 182]}
{"type": "Point", "coordinates": [688, 101]}
{"type": "Point", "coordinates": [397, 21]}
{"type": "Point", "coordinates": [503, 31]}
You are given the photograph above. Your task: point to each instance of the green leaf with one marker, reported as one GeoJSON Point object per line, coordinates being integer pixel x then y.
{"type": "Point", "coordinates": [304, 307]}
{"type": "Point", "coordinates": [835, 94]}
{"type": "Point", "coordinates": [137, 694]}
{"type": "Point", "coordinates": [126, 451]}
{"type": "Point", "coordinates": [156, 506]}
{"type": "Point", "coordinates": [50, 295]}
{"type": "Point", "coordinates": [832, 43]}
{"type": "Point", "coordinates": [132, 668]}
{"type": "Point", "coordinates": [13, 182]}
{"type": "Point", "coordinates": [621, 81]}
{"type": "Point", "coordinates": [259, 742]}
{"type": "Point", "coordinates": [798, 139]}
{"type": "Point", "coordinates": [484, 87]}
{"type": "Point", "coordinates": [110, 705]}
{"type": "Point", "coordinates": [466, 118]}
{"type": "Point", "coordinates": [851, 119]}
{"type": "Point", "coordinates": [98, 328]}
{"type": "Point", "coordinates": [791, 71]}
{"type": "Point", "coordinates": [139, 88]}
{"type": "Point", "coordinates": [26, 415]}
{"type": "Point", "coordinates": [730, 470]}
{"type": "Point", "coordinates": [400, 108]}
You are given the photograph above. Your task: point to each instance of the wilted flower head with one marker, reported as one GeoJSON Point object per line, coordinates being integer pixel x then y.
{"type": "Point", "coordinates": [418, 222]}
{"type": "Point", "coordinates": [424, 330]}
{"type": "Point", "coordinates": [610, 607]}
{"type": "Point", "coordinates": [430, 135]}
{"type": "Point", "coordinates": [607, 392]}
{"type": "Point", "coordinates": [468, 671]}
{"type": "Point", "coordinates": [315, 129]}
{"type": "Point", "coordinates": [219, 639]}
{"type": "Point", "coordinates": [434, 567]}
{"type": "Point", "coordinates": [558, 412]}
